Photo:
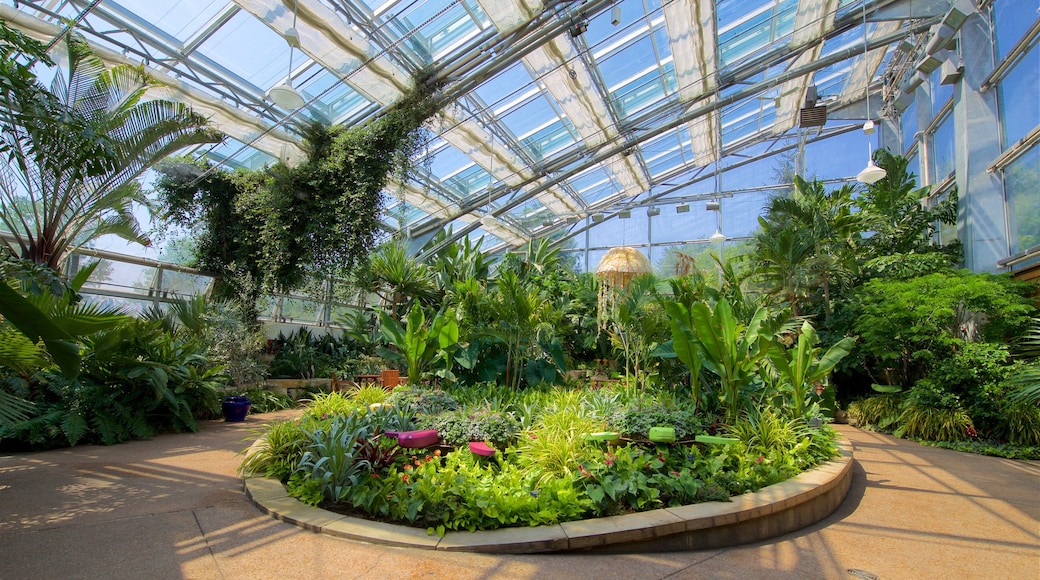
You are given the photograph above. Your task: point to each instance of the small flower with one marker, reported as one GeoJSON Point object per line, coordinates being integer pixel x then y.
{"type": "Point", "coordinates": [407, 467]}
{"type": "Point", "coordinates": [675, 473]}
{"type": "Point", "coordinates": [760, 458]}
{"type": "Point", "coordinates": [375, 475]}
{"type": "Point", "coordinates": [436, 452]}
{"type": "Point", "coordinates": [404, 477]}
{"type": "Point", "coordinates": [660, 457]}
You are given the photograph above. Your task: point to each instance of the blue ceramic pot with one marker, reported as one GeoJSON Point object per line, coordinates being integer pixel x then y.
{"type": "Point", "coordinates": [235, 408]}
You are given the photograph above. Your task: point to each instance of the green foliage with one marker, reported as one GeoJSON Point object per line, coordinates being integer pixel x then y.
{"type": "Point", "coordinates": [802, 368]}
{"type": "Point", "coordinates": [554, 475]}
{"type": "Point", "coordinates": [263, 401]}
{"type": "Point", "coordinates": [332, 457]}
{"type": "Point", "coordinates": [992, 448]}
{"type": "Point", "coordinates": [713, 340]}
{"type": "Point", "coordinates": [304, 355]}
{"type": "Point", "coordinates": [899, 331]}
{"type": "Point", "coordinates": [893, 212]}
{"type": "Point", "coordinates": [880, 410]}
{"type": "Point", "coordinates": [273, 227]}
{"type": "Point", "coordinates": [460, 427]}
{"type": "Point", "coordinates": [325, 405]}
{"type": "Point", "coordinates": [422, 401]}
{"type": "Point", "coordinates": [635, 422]}
{"type": "Point", "coordinates": [418, 344]}
{"type": "Point", "coordinates": [75, 150]}
{"type": "Point", "coordinates": [282, 446]}
{"type": "Point", "coordinates": [557, 446]}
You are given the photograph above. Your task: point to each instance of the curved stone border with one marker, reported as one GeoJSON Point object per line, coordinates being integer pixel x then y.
{"type": "Point", "coordinates": [772, 511]}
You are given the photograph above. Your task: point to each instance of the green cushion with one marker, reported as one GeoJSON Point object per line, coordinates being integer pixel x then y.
{"type": "Point", "coordinates": [662, 434]}
{"type": "Point", "coordinates": [715, 440]}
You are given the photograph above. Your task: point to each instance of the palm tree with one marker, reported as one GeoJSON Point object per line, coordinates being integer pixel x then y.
{"type": "Point", "coordinates": [75, 150]}
{"type": "Point", "coordinates": [398, 278]}
{"type": "Point", "coordinates": [808, 241]}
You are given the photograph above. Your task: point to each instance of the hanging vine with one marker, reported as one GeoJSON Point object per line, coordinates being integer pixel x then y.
{"type": "Point", "coordinates": [273, 228]}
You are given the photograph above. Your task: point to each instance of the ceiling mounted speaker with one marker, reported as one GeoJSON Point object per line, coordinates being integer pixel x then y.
{"type": "Point", "coordinates": [713, 206]}
{"type": "Point", "coordinates": [572, 219]}
{"type": "Point", "coordinates": [812, 116]}
{"type": "Point", "coordinates": [653, 211]}
{"type": "Point", "coordinates": [597, 217]}
{"type": "Point", "coordinates": [682, 208]}
{"type": "Point", "coordinates": [547, 223]}
{"type": "Point", "coordinates": [624, 214]}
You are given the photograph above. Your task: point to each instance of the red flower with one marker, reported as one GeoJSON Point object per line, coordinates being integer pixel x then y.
{"type": "Point", "coordinates": [404, 477]}
{"type": "Point", "coordinates": [759, 459]}
{"type": "Point", "coordinates": [375, 475]}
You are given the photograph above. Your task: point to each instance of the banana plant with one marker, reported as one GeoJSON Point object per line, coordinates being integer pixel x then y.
{"type": "Point", "coordinates": [417, 344]}
{"type": "Point", "coordinates": [802, 367]}
{"type": "Point", "coordinates": [711, 339]}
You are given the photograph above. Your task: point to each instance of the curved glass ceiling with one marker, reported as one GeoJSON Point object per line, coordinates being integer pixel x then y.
{"type": "Point", "coordinates": [559, 110]}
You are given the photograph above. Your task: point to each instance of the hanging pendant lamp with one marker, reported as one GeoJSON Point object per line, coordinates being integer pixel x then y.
{"type": "Point", "coordinates": [871, 173]}
{"type": "Point", "coordinates": [284, 95]}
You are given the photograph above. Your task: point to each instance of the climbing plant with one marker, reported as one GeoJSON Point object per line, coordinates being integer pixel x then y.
{"type": "Point", "coordinates": [274, 227]}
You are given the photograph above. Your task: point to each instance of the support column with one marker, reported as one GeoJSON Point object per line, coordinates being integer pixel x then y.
{"type": "Point", "coordinates": [982, 215]}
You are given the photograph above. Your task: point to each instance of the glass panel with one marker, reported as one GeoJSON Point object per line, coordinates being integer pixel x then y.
{"type": "Point", "coordinates": [941, 94]}
{"type": "Point", "coordinates": [908, 125]}
{"type": "Point", "coordinates": [1012, 19]}
{"type": "Point", "coordinates": [1021, 184]}
{"type": "Point", "coordinates": [1018, 96]}
{"type": "Point", "coordinates": [178, 18]}
{"type": "Point", "coordinates": [248, 48]}
{"type": "Point", "coordinates": [943, 150]}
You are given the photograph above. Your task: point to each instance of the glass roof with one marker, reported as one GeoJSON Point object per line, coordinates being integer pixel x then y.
{"type": "Point", "coordinates": [560, 110]}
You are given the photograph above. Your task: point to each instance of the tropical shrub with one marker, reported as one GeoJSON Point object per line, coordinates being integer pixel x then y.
{"type": "Point", "coordinates": [422, 401]}
{"type": "Point", "coordinates": [635, 422]}
{"type": "Point", "coordinates": [460, 427]}
{"type": "Point", "coordinates": [282, 446]}
{"type": "Point", "coordinates": [930, 413]}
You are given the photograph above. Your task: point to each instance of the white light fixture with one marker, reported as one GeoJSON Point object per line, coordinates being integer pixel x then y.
{"type": "Point", "coordinates": [871, 173]}
{"type": "Point", "coordinates": [284, 95]}
{"type": "Point", "coordinates": [717, 237]}
{"type": "Point", "coordinates": [682, 208]}
{"type": "Point", "coordinates": [487, 220]}
{"type": "Point", "coordinates": [597, 217]}
{"type": "Point", "coordinates": [624, 214]}
{"type": "Point", "coordinates": [547, 223]}
{"type": "Point", "coordinates": [713, 206]}
{"type": "Point", "coordinates": [653, 211]}
{"type": "Point", "coordinates": [572, 219]}
{"type": "Point", "coordinates": [615, 15]}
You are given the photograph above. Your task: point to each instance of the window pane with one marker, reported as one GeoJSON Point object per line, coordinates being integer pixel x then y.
{"type": "Point", "coordinates": [1018, 95]}
{"type": "Point", "coordinates": [909, 125]}
{"type": "Point", "coordinates": [1021, 183]}
{"type": "Point", "coordinates": [943, 150]}
{"type": "Point", "coordinates": [1012, 19]}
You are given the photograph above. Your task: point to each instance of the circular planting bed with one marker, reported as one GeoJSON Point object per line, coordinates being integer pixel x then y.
{"type": "Point", "coordinates": [771, 511]}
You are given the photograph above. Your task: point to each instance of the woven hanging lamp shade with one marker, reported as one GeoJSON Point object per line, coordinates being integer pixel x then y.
{"type": "Point", "coordinates": [617, 268]}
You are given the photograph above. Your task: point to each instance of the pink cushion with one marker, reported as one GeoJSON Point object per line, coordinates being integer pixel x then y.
{"type": "Point", "coordinates": [481, 448]}
{"type": "Point", "coordinates": [417, 439]}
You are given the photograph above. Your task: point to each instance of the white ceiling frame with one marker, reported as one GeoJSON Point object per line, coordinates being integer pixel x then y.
{"type": "Point", "coordinates": [229, 120]}
{"type": "Point", "coordinates": [692, 39]}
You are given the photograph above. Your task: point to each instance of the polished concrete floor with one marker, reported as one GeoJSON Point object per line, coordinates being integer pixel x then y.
{"type": "Point", "coordinates": [173, 507]}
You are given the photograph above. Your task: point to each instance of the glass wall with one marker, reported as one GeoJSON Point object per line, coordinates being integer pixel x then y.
{"type": "Point", "coordinates": [1022, 186]}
